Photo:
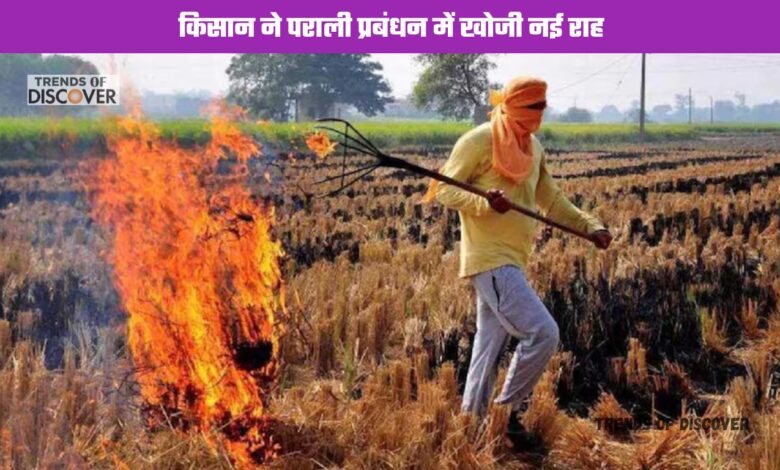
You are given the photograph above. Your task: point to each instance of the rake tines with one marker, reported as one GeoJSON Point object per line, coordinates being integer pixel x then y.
{"type": "Point", "coordinates": [350, 139]}
{"type": "Point", "coordinates": [365, 145]}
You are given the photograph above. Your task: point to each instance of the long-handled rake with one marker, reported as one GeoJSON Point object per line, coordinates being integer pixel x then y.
{"type": "Point", "coordinates": [352, 139]}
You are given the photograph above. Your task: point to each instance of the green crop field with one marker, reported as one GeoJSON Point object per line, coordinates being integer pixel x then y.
{"type": "Point", "coordinates": [55, 138]}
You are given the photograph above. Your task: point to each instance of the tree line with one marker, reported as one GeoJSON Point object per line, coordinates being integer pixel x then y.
{"type": "Point", "coordinates": [300, 87]}
{"type": "Point", "coordinates": [14, 69]}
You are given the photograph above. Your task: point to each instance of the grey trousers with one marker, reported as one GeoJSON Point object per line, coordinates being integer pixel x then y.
{"type": "Point", "coordinates": [507, 305]}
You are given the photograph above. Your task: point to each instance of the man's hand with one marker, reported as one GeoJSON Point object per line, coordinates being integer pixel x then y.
{"type": "Point", "coordinates": [498, 200]}
{"type": "Point", "coordinates": [601, 238]}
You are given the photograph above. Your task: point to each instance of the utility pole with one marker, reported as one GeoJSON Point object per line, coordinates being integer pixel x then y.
{"type": "Point", "coordinates": [690, 107]}
{"type": "Point", "coordinates": [712, 112]}
{"type": "Point", "coordinates": [642, 103]}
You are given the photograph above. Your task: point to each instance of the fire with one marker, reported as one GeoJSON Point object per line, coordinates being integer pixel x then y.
{"type": "Point", "coordinates": [320, 144]}
{"type": "Point", "coordinates": [496, 97]}
{"type": "Point", "coordinates": [197, 270]}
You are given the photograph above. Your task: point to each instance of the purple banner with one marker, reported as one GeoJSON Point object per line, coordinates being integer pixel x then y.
{"type": "Point", "coordinates": [509, 26]}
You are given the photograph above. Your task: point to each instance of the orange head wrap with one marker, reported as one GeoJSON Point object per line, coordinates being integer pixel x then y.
{"type": "Point", "coordinates": [512, 123]}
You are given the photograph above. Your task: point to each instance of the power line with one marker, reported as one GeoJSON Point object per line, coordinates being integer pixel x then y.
{"type": "Point", "coordinates": [751, 59]}
{"type": "Point", "coordinates": [728, 67]}
{"type": "Point", "coordinates": [622, 76]}
{"type": "Point", "coordinates": [588, 77]}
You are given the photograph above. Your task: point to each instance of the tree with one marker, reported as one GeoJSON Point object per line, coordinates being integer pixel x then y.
{"type": "Point", "coordinates": [14, 69]}
{"type": "Point", "coordinates": [609, 113]}
{"type": "Point", "coordinates": [681, 107]}
{"type": "Point", "coordinates": [632, 114]}
{"type": "Point", "coordinates": [766, 112]}
{"type": "Point", "coordinates": [743, 110]}
{"type": "Point", "coordinates": [454, 85]}
{"type": "Point", "coordinates": [272, 86]}
{"type": "Point", "coordinates": [661, 112]}
{"type": "Point", "coordinates": [741, 98]}
{"type": "Point", "coordinates": [575, 114]}
{"type": "Point", "coordinates": [725, 111]}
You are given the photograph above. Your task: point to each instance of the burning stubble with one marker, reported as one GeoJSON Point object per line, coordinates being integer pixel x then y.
{"type": "Point", "coordinates": [197, 269]}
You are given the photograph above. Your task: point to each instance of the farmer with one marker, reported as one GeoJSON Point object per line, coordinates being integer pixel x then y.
{"type": "Point", "coordinates": [503, 157]}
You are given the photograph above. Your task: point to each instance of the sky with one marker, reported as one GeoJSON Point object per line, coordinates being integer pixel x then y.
{"type": "Point", "coordinates": [584, 80]}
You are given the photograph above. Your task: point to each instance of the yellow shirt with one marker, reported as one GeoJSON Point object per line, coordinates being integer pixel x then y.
{"type": "Point", "coordinates": [490, 239]}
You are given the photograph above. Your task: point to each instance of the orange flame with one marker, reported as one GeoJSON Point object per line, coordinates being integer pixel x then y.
{"type": "Point", "coordinates": [496, 97]}
{"type": "Point", "coordinates": [320, 144]}
{"type": "Point", "coordinates": [197, 270]}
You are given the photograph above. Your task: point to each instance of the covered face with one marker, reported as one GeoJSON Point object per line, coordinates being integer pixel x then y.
{"type": "Point", "coordinates": [517, 113]}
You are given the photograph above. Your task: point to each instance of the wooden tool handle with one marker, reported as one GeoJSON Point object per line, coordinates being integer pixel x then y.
{"type": "Point", "coordinates": [403, 164]}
